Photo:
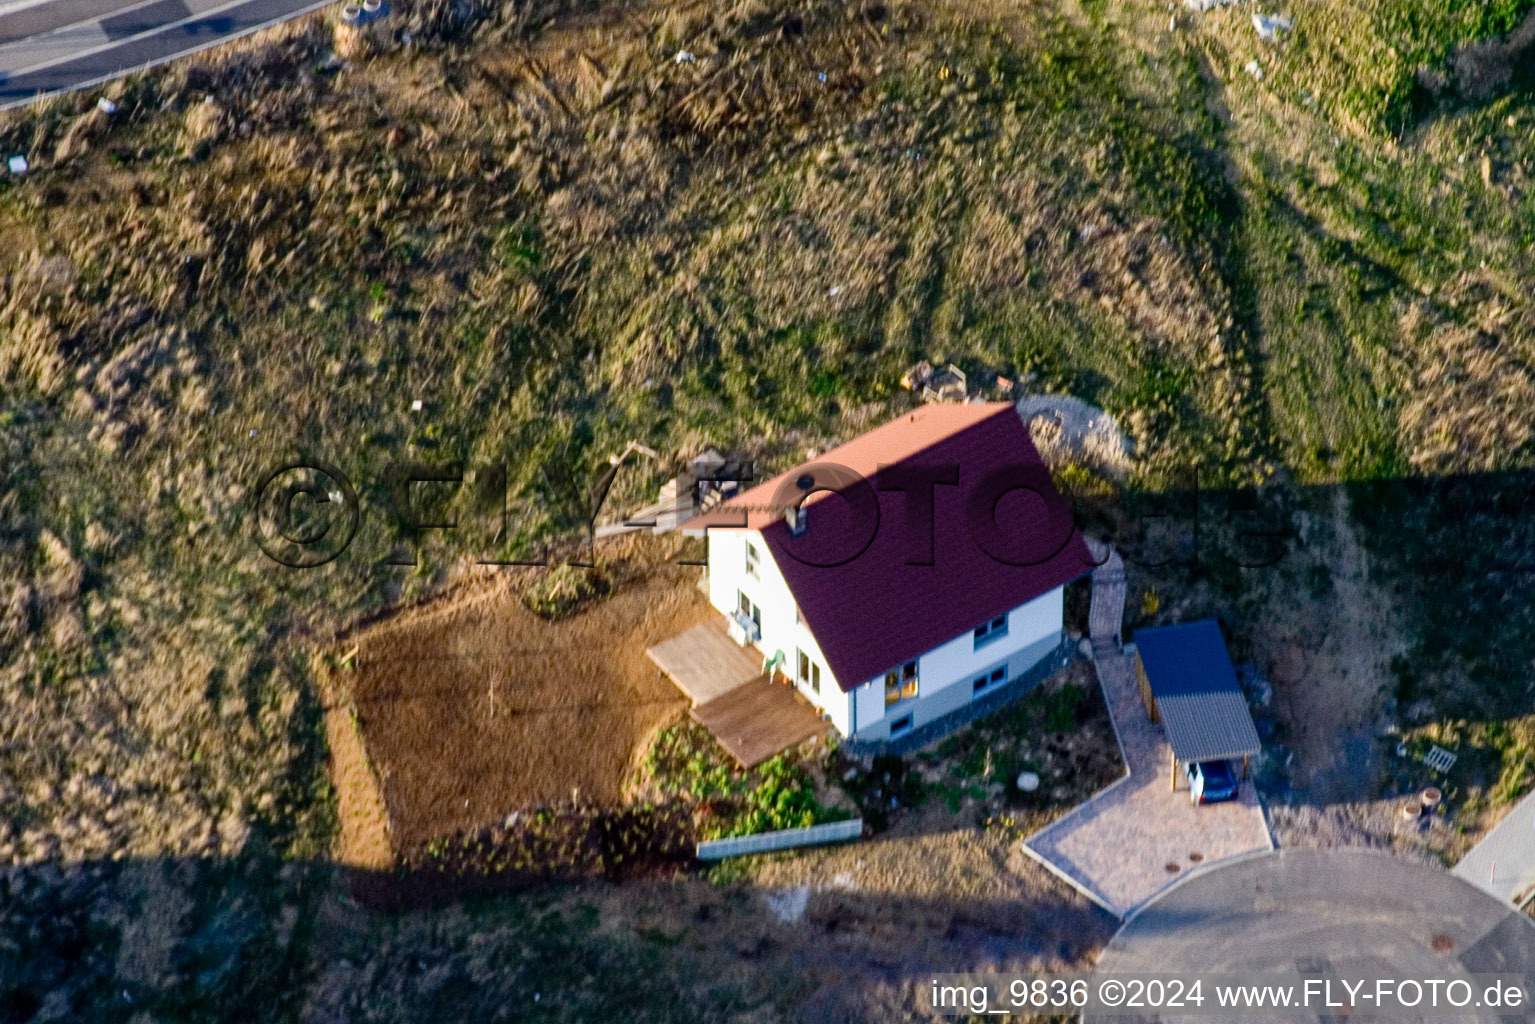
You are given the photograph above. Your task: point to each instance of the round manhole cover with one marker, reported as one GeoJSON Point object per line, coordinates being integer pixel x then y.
{"type": "Point", "coordinates": [1443, 943]}
{"type": "Point", "coordinates": [1195, 858]}
{"type": "Point", "coordinates": [1172, 869]}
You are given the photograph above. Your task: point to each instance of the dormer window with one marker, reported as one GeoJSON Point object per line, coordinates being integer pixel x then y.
{"type": "Point", "coordinates": [794, 516]}
{"type": "Point", "coordinates": [993, 630]}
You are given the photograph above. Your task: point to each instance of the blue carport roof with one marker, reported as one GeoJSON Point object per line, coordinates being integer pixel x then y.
{"type": "Point", "coordinates": [1195, 688]}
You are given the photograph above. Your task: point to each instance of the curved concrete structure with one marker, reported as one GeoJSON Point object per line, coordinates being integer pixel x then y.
{"type": "Point", "coordinates": [1346, 912]}
{"type": "Point", "coordinates": [55, 46]}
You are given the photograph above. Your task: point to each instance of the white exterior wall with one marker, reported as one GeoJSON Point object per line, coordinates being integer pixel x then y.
{"type": "Point", "coordinates": [770, 592]}
{"type": "Point", "coordinates": [945, 674]}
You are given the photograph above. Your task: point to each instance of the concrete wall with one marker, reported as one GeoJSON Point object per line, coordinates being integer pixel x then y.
{"type": "Point", "coordinates": [785, 839]}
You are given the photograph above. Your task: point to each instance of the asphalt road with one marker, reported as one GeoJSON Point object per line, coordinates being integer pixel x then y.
{"type": "Point", "coordinates": [1333, 913]}
{"type": "Point", "coordinates": [59, 45]}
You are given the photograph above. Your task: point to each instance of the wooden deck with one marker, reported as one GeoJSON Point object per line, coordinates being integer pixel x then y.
{"type": "Point", "coordinates": [753, 716]}
{"type": "Point", "coordinates": [705, 663]}
{"type": "Point", "coordinates": [760, 719]}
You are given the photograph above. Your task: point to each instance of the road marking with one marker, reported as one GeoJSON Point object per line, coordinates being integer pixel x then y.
{"type": "Point", "coordinates": [51, 48]}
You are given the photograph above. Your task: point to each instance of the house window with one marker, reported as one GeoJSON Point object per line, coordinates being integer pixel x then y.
{"type": "Point", "coordinates": [993, 630]}
{"type": "Point", "coordinates": [752, 559]}
{"type": "Point", "coordinates": [809, 673]}
{"type": "Point", "coordinates": [982, 682]}
{"type": "Point", "coordinates": [749, 610]}
{"type": "Point", "coordinates": [900, 726]}
{"type": "Point", "coordinates": [901, 683]}
{"type": "Point", "coordinates": [798, 618]}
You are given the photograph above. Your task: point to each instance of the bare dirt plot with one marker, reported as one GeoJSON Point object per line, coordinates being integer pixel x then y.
{"type": "Point", "coordinates": [475, 707]}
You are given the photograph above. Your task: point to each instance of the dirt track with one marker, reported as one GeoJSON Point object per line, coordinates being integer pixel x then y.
{"type": "Point", "coordinates": [474, 707]}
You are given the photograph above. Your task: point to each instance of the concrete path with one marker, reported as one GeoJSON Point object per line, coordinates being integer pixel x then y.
{"type": "Point", "coordinates": [1106, 613]}
{"type": "Point", "coordinates": [55, 46]}
{"type": "Point", "coordinates": [1136, 837]}
{"type": "Point", "coordinates": [1343, 912]}
{"type": "Point", "coordinates": [1503, 863]}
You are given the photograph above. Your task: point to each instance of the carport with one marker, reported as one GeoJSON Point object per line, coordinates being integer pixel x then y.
{"type": "Point", "coordinates": [1188, 684]}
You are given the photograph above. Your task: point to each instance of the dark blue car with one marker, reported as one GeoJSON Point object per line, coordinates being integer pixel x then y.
{"type": "Point", "coordinates": [1212, 781]}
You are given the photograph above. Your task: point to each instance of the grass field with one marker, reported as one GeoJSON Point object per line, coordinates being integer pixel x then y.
{"type": "Point", "coordinates": [558, 238]}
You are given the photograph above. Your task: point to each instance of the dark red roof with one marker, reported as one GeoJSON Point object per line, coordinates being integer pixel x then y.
{"type": "Point", "coordinates": [875, 586]}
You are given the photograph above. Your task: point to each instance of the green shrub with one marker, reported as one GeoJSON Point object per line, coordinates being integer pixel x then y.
{"type": "Point", "coordinates": [1062, 707]}
{"type": "Point", "coordinates": [564, 589]}
{"type": "Point", "coordinates": [777, 794]}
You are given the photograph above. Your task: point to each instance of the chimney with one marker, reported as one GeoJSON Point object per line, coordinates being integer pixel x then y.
{"type": "Point", "coordinates": [794, 515]}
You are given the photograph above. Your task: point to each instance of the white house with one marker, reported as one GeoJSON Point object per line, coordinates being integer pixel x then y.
{"type": "Point", "coordinates": [904, 575]}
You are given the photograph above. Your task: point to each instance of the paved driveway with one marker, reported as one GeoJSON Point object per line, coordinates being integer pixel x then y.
{"type": "Point", "coordinates": [1503, 863]}
{"type": "Point", "coordinates": [1136, 838]}
{"type": "Point", "coordinates": [1343, 912]}
{"type": "Point", "coordinates": [55, 46]}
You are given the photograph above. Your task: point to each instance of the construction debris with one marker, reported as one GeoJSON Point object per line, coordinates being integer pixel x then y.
{"type": "Point", "coordinates": [917, 376]}
{"type": "Point", "coordinates": [1440, 759]}
{"type": "Point", "coordinates": [702, 483]}
{"type": "Point", "coordinates": [1206, 5]}
{"type": "Point", "coordinates": [951, 384]}
{"type": "Point", "coordinates": [1068, 430]}
{"type": "Point", "coordinates": [946, 385]}
{"type": "Point", "coordinates": [1255, 69]}
{"type": "Point", "coordinates": [1270, 25]}
{"type": "Point", "coordinates": [18, 165]}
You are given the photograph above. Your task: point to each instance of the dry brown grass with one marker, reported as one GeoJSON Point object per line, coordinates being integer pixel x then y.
{"type": "Point", "coordinates": [474, 707]}
{"type": "Point", "coordinates": [1473, 406]}
{"type": "Point", "coordinates": [562, 240]}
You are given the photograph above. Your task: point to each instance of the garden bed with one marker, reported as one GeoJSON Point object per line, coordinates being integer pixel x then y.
{"type": "Point", "coordinates": [786, 791]}
{"type": "Point", "coordinates": [1060, 733]}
